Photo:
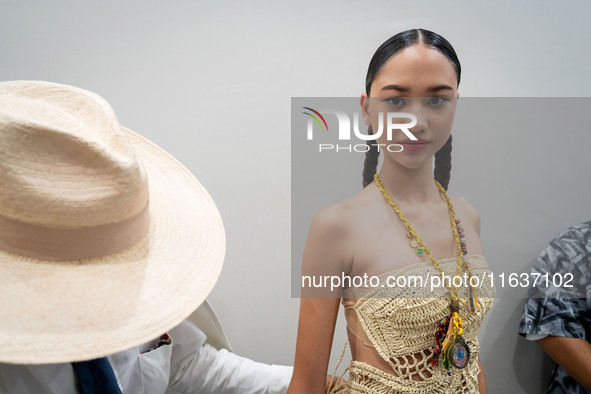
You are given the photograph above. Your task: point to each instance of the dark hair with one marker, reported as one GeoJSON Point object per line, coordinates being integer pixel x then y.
{"type": "Point", "coordinates": [388, 49]}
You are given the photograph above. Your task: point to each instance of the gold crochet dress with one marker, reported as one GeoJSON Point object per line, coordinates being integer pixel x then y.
{"type": "Point", "coordinates": [400, 323]}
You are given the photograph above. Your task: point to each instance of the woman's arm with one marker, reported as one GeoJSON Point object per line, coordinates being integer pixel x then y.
{"type": "Point", "coordinates": [482, 389]}
{"type": "Point", "coordinates": [315, 334]}
{"type": "Point", "coordinates": [324, 255]}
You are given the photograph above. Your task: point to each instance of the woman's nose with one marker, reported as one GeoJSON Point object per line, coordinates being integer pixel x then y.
{"type": "Point", "coordinates": [416, 108]}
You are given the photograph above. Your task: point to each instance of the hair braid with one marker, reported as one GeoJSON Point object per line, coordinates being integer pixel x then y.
{"type": "Point", "coordinates": [442, 171]}
{"type": "Point", "coordinates": [370, 164]}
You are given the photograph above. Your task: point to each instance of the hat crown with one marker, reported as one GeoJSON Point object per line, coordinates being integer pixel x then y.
{"type": "Point", "coordinates": [103, 281]}
{"type": "Point", "coordinates": [64, 161]}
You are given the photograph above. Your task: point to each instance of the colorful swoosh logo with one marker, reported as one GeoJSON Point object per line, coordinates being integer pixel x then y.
{"type": "Point", "coordinates": [315, 118]}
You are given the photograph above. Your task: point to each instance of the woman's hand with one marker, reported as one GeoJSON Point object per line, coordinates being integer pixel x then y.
{"type": "Point", "coordinates": [334, 384]}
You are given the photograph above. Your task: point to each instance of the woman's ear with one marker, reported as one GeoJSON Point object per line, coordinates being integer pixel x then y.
{"type": "Point", "coordinates": [364, 102]}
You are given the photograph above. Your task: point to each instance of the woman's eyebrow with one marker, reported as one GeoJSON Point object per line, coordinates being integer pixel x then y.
{"type": "Point", "coordinates": [395, 87]}
{"type": "Point", "coordinates": [438, 88]}
{"type": "Point", "coordinates": [403, 89]}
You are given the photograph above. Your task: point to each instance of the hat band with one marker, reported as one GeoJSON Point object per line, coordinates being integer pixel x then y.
{"type": "Point", "coordinates": [59, 244]}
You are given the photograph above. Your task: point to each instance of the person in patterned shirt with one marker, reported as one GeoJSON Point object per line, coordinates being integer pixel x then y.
{"type": "Point", "coordinates": [558, 317]}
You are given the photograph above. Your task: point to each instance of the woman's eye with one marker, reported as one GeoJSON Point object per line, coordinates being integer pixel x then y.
{"type": "Point", "coordinates": [437, 100]}
{"type": "Point", "coordinates": [396, 101]}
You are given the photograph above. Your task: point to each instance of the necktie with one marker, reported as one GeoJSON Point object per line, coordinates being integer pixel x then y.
{"type": "Point", "coordinates": [96, 377]}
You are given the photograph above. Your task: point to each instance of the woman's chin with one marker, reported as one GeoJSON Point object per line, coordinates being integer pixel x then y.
{"type": "Point", "coordinates": [412, 162]}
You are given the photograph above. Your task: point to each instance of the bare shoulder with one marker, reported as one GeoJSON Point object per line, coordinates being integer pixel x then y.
{"type": "Point", "coordinates": [467, 211]}
{"type": "Point", "coordinates": [328, 246]}
{"type": "Point", "coordinates": [334, 230]}
{"type": "Point", "coordinates": [330, 233]}
{"type": "Point", "coordinates": [341, 217]}
{"type": "Point", "coordinates": [334, 219]}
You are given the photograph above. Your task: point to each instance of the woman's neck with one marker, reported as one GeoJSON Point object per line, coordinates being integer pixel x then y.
{"type": "Point", "coordinates": [411, 186]}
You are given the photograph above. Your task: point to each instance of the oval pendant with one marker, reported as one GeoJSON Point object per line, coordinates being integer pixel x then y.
{"type": "Point", "coordinates": [459, 354]}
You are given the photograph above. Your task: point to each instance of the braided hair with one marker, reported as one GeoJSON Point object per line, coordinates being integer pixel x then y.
{"type": "Point", "coordinates": [370, 163]}
{"type": "Point", "coordinates": [442, 170]}
{"type": "Point", "coordinates": [391, 47]}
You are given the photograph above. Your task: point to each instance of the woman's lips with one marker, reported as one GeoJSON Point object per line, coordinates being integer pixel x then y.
{"type": "Point", "coordinates": [414, 146]}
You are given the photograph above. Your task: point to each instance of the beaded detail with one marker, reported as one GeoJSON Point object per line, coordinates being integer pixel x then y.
{"type": "Point", "coordinates": [462, 235]}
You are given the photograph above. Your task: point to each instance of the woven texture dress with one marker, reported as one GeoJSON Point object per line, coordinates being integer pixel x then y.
{"type": "Point", "coordinates": [400, 323]}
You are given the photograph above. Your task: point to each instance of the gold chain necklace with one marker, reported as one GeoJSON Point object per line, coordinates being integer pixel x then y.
{"type": "Point", "coordinates": [411, 233]}
{"type": "Point", "coordinates": [448, 337]}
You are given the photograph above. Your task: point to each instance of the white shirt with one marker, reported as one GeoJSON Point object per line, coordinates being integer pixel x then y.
{"type": "Point", "coordinates": [187, 365]}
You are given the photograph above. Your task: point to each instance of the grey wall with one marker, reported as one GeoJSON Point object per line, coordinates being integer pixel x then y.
{"type": "Point", "coordinates": [211, 83]}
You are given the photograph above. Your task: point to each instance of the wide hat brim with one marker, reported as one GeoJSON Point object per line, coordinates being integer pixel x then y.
{"type": "Point", "coordinates": [53, 312]}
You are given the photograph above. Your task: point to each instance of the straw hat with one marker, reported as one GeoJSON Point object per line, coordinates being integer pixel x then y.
{"type": "Point", "coordinates": [106, 241]}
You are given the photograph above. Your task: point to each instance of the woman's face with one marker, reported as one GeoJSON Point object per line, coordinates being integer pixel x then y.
{"type": "Point", "coordinates": [421, 81]}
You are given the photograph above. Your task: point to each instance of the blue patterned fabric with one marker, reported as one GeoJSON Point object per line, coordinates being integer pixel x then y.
{"type": "Point", "coordinates": [554, 310]}
{"type": "Point", "coordinates": [96, 377]}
